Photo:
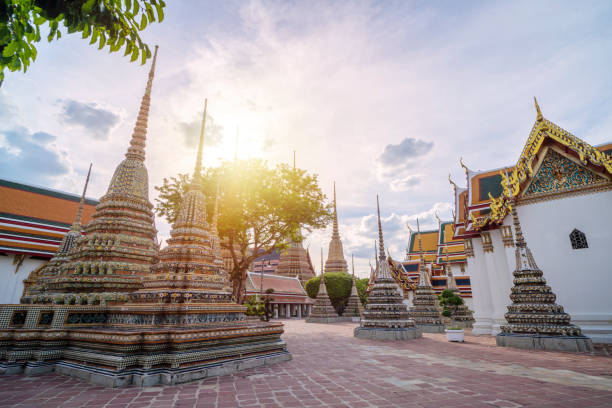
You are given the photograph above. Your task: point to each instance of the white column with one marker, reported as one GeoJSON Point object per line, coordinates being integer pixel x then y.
{"type": "Point", "coordinates": [299, 311]}
{"type": "Point", "coordinates": [481, 295]}
{"type": "Point", "coordinates": [276, 311]}
{"type": "Point", "coordinates": [288, 310]}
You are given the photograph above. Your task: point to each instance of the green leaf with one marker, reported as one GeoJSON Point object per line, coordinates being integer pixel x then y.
{"type": "Point", "coordinates": [86, 31]}
{"type": "Point", "coordinates": [87, 6]}
{"type": "Point", "coordinates": [136, 8]}
{"type": "Point", "coordinates": [94, 35]}
{"type": "Point", "coordinates": [134, 55]}
{"type": "Point", "coordinates": [160, 12]}
{"type": "Point", "coordinates": [128, 4]}
{"type": "Point", "coordinates": [150, 13]}
{"type": "Point", "coordinates": [102, 40]}
{"type": "Point", "coordinates": [143, 22]}
{"type": "Point", "coordinates": [10, 49]}
{"type": "Point", "coordinates": [128, 49]}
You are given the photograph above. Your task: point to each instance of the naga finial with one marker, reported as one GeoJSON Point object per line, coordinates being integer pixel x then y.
{"type": "Point", "coordinates": [464, 167]}
{"type": "Point", "coordinates": [452, 182]}
{"type": "Point", "coordinates": [437, 218]}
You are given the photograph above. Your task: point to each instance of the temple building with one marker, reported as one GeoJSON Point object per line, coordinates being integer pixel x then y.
{"type": "Point", "coordinates": [33, 223]}
{"type": "Point", "coordinates": [266, 263]}
{"type": "Point", "coordinates": [117, 316]}
{"type": "Point", "coordinates": [335, 256]}
{"type": "Point", "coordinates": [562, 188]}
{"type": "Point", "coordinates": [435, 244]}
{"type": "Point", "coordinates": [289, 299]}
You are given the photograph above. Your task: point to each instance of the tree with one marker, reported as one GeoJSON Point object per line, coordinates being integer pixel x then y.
{"type": "Point", "coordinates": [260, 209]}
{"type": "Point", "coordinates": [449, 301]}
{"type": "Point", "coordinates": [114, 24]}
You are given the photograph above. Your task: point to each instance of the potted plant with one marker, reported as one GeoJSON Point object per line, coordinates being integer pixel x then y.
{"type": "Point", "coordinates": [454, 333]}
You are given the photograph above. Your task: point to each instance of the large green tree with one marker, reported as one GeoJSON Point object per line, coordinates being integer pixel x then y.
{"type": "Point", "coordinates": [114, 24]}
{"type": "Point", "coordinates": [261, 208]}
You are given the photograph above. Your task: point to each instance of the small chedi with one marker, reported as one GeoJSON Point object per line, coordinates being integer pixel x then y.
{"type": "Point", "coordinates": [323, 311]}
{"type": "Point", "coordinates": [535, 321]}
{"type": "Point", "coordinates": [385, 316]}
{"type": "Point", "coordinates": [425, 309]}
{"type": "Point", "coordinates": [335, 257]}
{"type": "Point", "coordinates": [461, 315]}
{"type": "Point", "coordinates": [36, 283]}
{"type": "Point", "coordinates": [354, 308]}
{"type": "Point", "coordinates": [295, 261]}
{"type": "Point", "coordinates": [169, 322]}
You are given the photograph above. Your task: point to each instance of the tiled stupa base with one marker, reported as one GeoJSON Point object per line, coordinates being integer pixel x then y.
{"type": "Point", "coordinates": [431, 328]}
{"type": "Point", "coordinates": [577, 344]}
{"type": "Point", "coordinates": [378, 333]}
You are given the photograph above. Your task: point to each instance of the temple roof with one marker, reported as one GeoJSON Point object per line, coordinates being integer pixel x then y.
{"type": "Point", "coordinates": [485, 201]}
{"type": "Point", "coordinates": [282, 285]}
{"type": "Point", "coordinates": [33, 219]}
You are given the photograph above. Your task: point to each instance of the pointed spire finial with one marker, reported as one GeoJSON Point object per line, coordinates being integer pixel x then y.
{"type": "Point", "coordinates": [197, 172]}
{"type": "Point", "coordinates": [335, 231]}
{"type": "Point", "coordinates": [539, 118]}
{"type": "Point", "coordinates": [420, 246]}
{"type": "Point", "coordinates": [381, 244]}
{"type": "Point", "coordinates": [139, 135]}
{"type": "Point", "coordinates": [353, 264]}
{"type": "Point", "coordinates": [76, 225]}
{"type": "Point", "coordinates": [321, 261]}
{"type": "Point", "coordinates": [518, 232]}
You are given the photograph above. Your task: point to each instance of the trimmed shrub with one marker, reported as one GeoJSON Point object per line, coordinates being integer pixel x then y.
{"type": "Point", "coordinates": [362, 287]}
{"type": "Point", "coordinates": [449, 302]}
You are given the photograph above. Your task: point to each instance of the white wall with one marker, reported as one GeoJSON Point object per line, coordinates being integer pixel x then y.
{"type": "Point", "coordinates": [481, 291]}
{"type": "Point", "coordinates": [581, 278]}
{"type": "Point", "coordinates": [11, 283]}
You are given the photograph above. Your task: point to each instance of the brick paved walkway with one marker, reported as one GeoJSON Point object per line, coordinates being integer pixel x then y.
{"type": "Point", "coordinates": [330, 368]}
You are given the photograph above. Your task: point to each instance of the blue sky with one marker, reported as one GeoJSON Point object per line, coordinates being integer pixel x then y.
{"type": "Point", "coordinates": [383, 97]}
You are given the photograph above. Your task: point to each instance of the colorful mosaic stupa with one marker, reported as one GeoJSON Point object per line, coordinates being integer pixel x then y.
{"type": "Point", "coordinates": [322, 311]}
{"type": "Point", "coordinates": [180, 325]}
{"type": "Point", "coordinates": [354, 308]}
{"type": "Point", "coordinates": [425, 309]}
{"type": "Point", "coordinates": [385, 316]}
{"type": "Point", "coordinates": [36, 283]}
{"type": "Point", "coordinates": [335, 256]}
{"type": "Point", "coordinates": [295, 261]}
{"type": "Point", "coordinates": [535, 321]}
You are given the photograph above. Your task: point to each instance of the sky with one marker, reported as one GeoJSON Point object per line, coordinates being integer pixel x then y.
{"type": "Point", "coordinates": [381, 97]}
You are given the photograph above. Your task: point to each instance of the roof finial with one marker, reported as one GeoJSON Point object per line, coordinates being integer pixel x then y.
{"type": "Point", "coordinates": [539, 117]}
{"type": "Point", "coordinates": [464, 167]}
{"type": "Point", "coordinates": [452, 182]}
{"type": "Point", "coordinates": [438, 218]}
{"type": "Point", "coordinates": [139, 136]}
{"type": "Point", "coordinates": [197, 172]}
{"type": "Point", "coordinates": [381, 244]}
{"type": "Point", "coordinates": [76, 225]}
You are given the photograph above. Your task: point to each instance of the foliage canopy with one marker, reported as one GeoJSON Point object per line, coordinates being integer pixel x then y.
{"type": "Point", "coordinates": [338, 287]}
{"type": "Point", "coordinates": [260, 208]}
{"type": "Point", "coordinates": [114, 24]}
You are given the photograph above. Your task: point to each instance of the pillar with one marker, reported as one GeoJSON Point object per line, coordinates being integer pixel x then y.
{"type": "Point", "coordinates": [299, 311]}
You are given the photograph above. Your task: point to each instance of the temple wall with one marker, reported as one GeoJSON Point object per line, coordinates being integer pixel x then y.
{"type": "Point", "coordinates": [500, 279]}
{"type": "Point", "coordinates": [11, 283]}
{"type": "Point", "coordinates": [579, 277]}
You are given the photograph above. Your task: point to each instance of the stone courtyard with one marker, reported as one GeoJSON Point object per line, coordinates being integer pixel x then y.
{"type": "Point", "coordinates": [331, 368]}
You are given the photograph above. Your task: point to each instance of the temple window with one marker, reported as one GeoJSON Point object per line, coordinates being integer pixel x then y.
{"type": "Point", "coordinates": [578, 239]}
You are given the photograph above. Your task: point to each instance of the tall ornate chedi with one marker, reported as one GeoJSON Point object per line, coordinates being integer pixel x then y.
{"type": "Point", "coordinates": [335, 256]}
{"type": "Point", "coordinates": [535, 321]}
{"type": "Point", "coordinates": [294, 261]}
{"type": "Point", "coordinates": [119, 247]}
{"type": "Point", "coordinates": [425, 309]}
{"type": "Point", "coordinates": [181, 325]}
{"type": "Point", "coordinates": [354, 308]}
{"type": "Point", "coordinates": [385, 316]}
{"type": "Point", "coordinates": [322, 311]}
{"type": "Point", "coordinates": [35, 285]}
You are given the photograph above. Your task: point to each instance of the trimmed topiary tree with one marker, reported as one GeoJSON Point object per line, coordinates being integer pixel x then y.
{"type": "Point", "coordinates": [362, 287]}
{"type": "Point", "coordinates": [449, 301]}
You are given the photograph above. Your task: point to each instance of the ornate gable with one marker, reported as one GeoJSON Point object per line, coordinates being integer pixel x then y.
{"type": "Point", "coordinates": [558, 174]}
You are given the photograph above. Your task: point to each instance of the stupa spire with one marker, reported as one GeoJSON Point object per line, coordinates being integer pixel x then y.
{"type": "Point", "coordinates": [139, 136]}
{"type": "Point", "coordinates": [197, 171]}
{"type": "Point", "coordinates": [335, 256]}
{"type": "Point", "coordinates": [353, 264]}
{"type": "Point", "coordinates": [381, 244]}
{"type": "Point", "coordinates": [321, 260]}
{"type": "Point", "coordinates": [335, 232]}
{"type": "Point", "coordinates": [76, 225]}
